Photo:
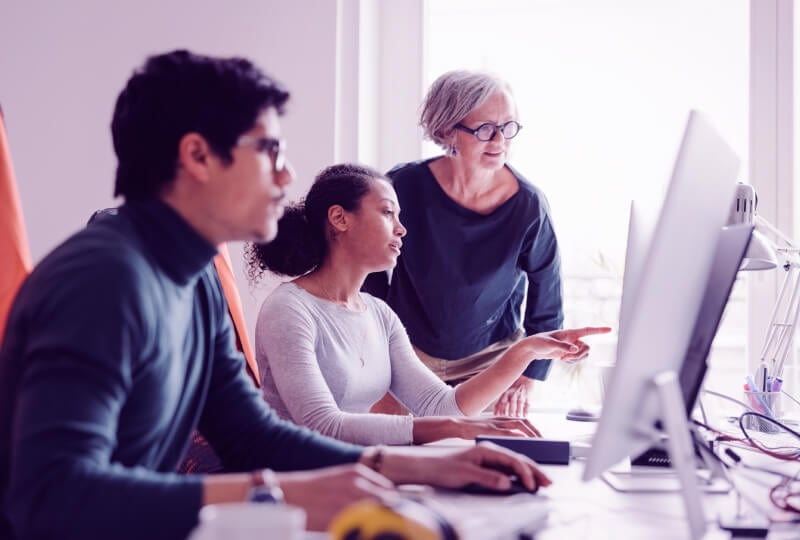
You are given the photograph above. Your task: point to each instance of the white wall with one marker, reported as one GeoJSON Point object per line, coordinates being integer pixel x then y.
{"type": "Point", "coordinates": [62, 65]}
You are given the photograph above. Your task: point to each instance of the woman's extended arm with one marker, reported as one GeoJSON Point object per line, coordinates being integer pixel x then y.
{"type": "Point", "coordinates": [416, 387]}
{"type": "Point", "coordinates": [478, 392]}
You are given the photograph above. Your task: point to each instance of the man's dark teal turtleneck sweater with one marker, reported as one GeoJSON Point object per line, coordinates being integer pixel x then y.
{"type": "Point", "coordinates": [117, 347]}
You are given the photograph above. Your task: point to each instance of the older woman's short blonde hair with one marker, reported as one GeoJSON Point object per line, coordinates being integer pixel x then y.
{"type": "Point", "coordinates": [452, 96]}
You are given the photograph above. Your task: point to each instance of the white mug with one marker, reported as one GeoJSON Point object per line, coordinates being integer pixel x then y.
{"type": "Point", "coordinates": [606, 371]}
{"type": "Point", "coordinates": [248, 521]}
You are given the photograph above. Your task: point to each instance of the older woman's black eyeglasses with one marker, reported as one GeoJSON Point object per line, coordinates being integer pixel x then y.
{"type": "Point", "coordinates": [274, 148]}
{"type": "Point", "coordinates": [486, 132]}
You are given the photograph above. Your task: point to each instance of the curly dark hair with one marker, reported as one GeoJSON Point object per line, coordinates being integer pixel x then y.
{"type": "Point", "coordinates": [302, 242]}
{"type": "Point", "coordinates": [178, 93]}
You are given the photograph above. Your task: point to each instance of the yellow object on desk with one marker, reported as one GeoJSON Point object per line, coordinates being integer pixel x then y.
{"type": "Point", "coordinates": [402, 519]}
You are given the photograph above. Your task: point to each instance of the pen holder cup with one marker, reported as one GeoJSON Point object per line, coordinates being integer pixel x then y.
{"type": "Point", "coordinates": [766, 403]}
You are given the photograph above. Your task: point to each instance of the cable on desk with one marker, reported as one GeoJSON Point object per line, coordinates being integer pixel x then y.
{"type": "Point", "coordinates": [708, 448]}
{"type": "Point", "coordinates": [786, 495]}
{"type": "Point", "coordinates": [729, 398]}
{"type": "Point", "coordinates": [738, 460]}
{"type": "Point", "coordinates": [721, 436]}
{"type": "Point", "coordinates": [791, 453]}
{"type": "Point", "coordinates": [704, 445]}
{"type": "Point", "coordinates": [781, 452]}
{"type": "Point", "coordinates": [787, 394]}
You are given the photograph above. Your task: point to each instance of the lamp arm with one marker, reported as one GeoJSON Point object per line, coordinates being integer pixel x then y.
{"type": "Point", "coordinates": [783, 323]}
{"type": "Point", "coordinates": [786, 312]}
{"type": "Point", "coordinates": [794, 310]}
{"type": "Point", "coordinates": [762, 223]}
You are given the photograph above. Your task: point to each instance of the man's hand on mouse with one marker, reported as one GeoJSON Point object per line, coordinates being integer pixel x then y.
{"type": "Point", "coordinates": [485, 463]}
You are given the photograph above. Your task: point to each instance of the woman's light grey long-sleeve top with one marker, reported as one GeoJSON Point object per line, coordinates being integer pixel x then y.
{"type": "Point", "coordinates": [323, 366]}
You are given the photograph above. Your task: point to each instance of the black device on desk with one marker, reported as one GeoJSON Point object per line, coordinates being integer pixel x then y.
{"type": "Point", "coordinates": [516, 484]}
{"type": "Point", "coordinates": [544, 451]}
{"type": "Point", "coordinates": [516, 487]}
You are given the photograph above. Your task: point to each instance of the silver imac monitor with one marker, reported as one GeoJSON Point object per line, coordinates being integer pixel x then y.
{"type": "Point", "coordinates": [661, 309]}
{"type": "Point", "coordinates": [730, 251]}
{"type": "Point", "coordinates": [731, 248]}
{"type": "Point", "coordinates": [640, 231]}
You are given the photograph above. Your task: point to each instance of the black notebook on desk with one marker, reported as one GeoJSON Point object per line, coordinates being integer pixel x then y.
{"type": "Point", "coordinates": [544, 451]}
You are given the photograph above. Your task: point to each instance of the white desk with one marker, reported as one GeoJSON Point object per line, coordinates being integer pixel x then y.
{"type": "Point", "coordinates": [594, 510]}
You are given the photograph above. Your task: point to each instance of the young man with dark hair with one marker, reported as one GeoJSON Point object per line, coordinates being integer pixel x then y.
{"type": "Point", "coordinates": [119, 345]}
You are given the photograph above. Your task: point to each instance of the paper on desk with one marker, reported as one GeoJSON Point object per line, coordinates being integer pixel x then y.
{"type": "Point", "coordinates": [492, 517]}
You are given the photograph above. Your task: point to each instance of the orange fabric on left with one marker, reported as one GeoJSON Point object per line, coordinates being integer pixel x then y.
{"type": "Point", "coordinates": [15, 256]}
{"type": "Point", "coordinates": [225, 270]}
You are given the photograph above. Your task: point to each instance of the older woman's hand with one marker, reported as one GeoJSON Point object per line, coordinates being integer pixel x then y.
{"type": "Point", "coordinates": [516, 401]}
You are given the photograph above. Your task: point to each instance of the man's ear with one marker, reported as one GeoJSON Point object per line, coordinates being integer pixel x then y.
{"type": "Point", "coordinates": [338, 218]}
{"type": "Point", "coordinates": [194, 156]}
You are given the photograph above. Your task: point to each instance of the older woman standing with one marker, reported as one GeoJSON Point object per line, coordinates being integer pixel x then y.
{"type": "Point", "coordinates": [479, 238]}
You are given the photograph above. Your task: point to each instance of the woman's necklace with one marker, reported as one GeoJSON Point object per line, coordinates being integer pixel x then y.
{"type": "Point", "coordinates": [358, 347]}
{"type": "Point", "coordinates": [362, 322]}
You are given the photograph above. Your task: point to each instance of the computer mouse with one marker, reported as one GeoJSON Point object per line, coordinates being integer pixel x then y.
{"type": "Point", "coordinates": [516, 485]}
{"type": "Point", "coordinates": [582, 415]}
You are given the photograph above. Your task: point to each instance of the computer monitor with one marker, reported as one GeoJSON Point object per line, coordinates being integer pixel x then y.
{"type": "Point", "coordinates": [643, 392]}
{"type": "Point", "coordinates": [640, 231]}
{"type": "Point", "coordinates": [731, 248]}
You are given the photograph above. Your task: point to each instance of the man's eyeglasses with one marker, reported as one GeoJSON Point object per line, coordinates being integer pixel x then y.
{"type": "Point", "coordinates": [486, 132]}
{"type": "Point", "coordinates": [274, 148]}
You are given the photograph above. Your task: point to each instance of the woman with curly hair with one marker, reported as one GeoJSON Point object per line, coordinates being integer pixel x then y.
{"type": "Point", "coordinates": [327, 351]}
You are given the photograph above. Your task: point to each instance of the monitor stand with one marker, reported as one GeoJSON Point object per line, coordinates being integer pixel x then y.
{"type": "Point", "coordinates": [683, 477]}
{"type": "Point", "coordinates": [657, 456]}
{"type": "Point", "coordinates": [631, 478]}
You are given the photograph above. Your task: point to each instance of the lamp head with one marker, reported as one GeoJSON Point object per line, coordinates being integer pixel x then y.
{"type": "Point", "coordinates": [760, 254]}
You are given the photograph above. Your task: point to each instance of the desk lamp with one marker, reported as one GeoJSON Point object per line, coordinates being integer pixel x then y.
{"type": "Point", "coordinates": [763, 254]}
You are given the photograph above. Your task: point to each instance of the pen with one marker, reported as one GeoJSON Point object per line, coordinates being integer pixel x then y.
{"type": "Point", "coordinates": [777, 382]}
{"type": "Point", "coordinates": [761, 377]}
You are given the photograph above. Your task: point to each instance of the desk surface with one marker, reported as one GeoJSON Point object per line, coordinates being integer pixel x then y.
{"type": "Point", "coordinates": [577, 509]}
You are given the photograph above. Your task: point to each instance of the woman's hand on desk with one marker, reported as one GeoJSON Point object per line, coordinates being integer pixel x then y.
{"type": "Point", "coordinates": [434, 428]}
{"type": "Point", "coordinates": [482, 464]}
